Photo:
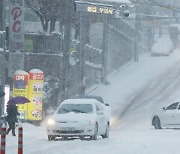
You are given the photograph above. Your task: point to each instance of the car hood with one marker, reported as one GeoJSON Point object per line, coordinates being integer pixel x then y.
{"type": "Point", "coordinates": [72, 117]}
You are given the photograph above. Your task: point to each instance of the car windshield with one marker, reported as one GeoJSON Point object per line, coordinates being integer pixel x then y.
{"type": "Point", "coordinates": [77, 108]}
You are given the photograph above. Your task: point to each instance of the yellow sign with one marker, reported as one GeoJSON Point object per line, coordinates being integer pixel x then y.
{"type": "Point", "coordinates": [36, 81]}
{"type": "Point", "coordinates": [20, 88]}
{"type": "Point", "coordinates": [92, 9]}
{"type": "Point", "coordinates": [100, 9]}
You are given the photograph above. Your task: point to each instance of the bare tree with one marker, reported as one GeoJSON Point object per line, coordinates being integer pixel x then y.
{"type": "Point", "coordinates": [48, 12]}
{"type": "Point", "coordinates": [52, 11]}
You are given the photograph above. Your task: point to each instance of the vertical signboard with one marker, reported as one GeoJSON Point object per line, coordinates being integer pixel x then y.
{"type": "Point", "coordinates": [36, 82]}
{"type": "Point", "coordinates": [20, 88]}
{"type": "Point", "coordinates": [16, 26]}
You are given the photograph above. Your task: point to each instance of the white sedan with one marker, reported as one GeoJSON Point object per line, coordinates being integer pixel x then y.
{"type": "Point", "coordinates": [168, 117]}
{"type": "Point", "coordinates": [78, 118]}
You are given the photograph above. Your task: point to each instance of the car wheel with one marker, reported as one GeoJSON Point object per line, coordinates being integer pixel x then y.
{"type": "Point", "coordinates": [106, 135]}
{"type": "Point", "coordinates": [157, 123]}
{"type": "Point", "coordinates": [51, 137]}
{"type": "Point", "coordinates": [94, 137]}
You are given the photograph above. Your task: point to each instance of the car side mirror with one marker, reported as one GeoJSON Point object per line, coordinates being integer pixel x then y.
{"type": "Point", "coordinates": [164, 109]}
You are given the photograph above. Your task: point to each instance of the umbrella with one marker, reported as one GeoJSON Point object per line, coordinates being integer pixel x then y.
{"type": "Point", "coordinates": [18, 100]}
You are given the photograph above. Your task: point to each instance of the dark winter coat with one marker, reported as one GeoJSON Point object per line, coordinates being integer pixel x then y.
{"type": "Point", "coordinates": [12, 113]}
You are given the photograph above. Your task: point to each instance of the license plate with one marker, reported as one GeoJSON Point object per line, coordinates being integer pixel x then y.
{"type": "Point", "coordinates": [68, 129]}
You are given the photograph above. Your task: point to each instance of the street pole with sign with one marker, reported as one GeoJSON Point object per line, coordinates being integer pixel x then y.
{"type": "Point", "coordinates": [16, 36]}
{"type": "Point", "coordinates": [95, 8]}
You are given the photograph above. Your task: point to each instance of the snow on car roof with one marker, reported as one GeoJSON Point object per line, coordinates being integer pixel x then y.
{"type": "Point", "coordinates": [79, 101]}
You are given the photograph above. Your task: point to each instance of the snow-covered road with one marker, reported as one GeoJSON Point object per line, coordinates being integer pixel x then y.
{"type": "Point", "coordinates": [161, 91]}
{"type": "Point", "coordinates": [136, 91]}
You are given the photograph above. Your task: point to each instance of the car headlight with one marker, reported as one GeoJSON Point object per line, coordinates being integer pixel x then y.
{"type": "Point", "coordinates": [50, 121]}
{"type": "Point", "coordinates": [114, 121]}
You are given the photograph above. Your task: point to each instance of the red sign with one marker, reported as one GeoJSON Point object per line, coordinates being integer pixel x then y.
{"type": "Point", "coordinates": [36, 76]}
{"type": "Point", "coordinates": [16, 27]}
{"type": "Point", "coordinates": [20, 77]}
{"type": "Point", "coordinates": [16, 13]}
{"type": "Point", "coordinates": [20, 81]}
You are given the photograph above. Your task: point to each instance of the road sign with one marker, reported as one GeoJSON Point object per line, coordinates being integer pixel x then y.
{"type": "Point", "coordinates": [94, 8]}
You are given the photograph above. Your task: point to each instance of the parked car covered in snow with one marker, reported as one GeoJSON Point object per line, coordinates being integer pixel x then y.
{"type": "Point", "coordinates": [168, 117]}
{"type": "Point", "coordinates": [78, 118]}
{"type": "Point", "coordinates": [162, 47]}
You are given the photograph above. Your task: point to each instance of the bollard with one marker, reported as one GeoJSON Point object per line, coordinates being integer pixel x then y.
{"type": "Point", "coordinates": [20, 139]}
{"type": "Point", "coordinates": [3, 139]}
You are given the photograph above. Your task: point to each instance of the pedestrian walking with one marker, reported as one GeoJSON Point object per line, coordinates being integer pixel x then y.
{"type": "Point", "coordinates": [12, 114]}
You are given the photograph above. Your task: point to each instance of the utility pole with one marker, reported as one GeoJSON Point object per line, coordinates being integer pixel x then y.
{"type": "Point", "coordinates": [66, 45]}
{"type": "Point", "coordinates": [105, 48]}
{"type": "Point", "coordinates": [82, 54]}
{"type": "Point", "coordinates": [2, 54]}
{"type": "Point", "coordinates": [136, 52]}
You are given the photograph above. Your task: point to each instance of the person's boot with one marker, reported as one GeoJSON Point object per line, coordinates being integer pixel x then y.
{"type": "Point", "coordinates": [13, 133]}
